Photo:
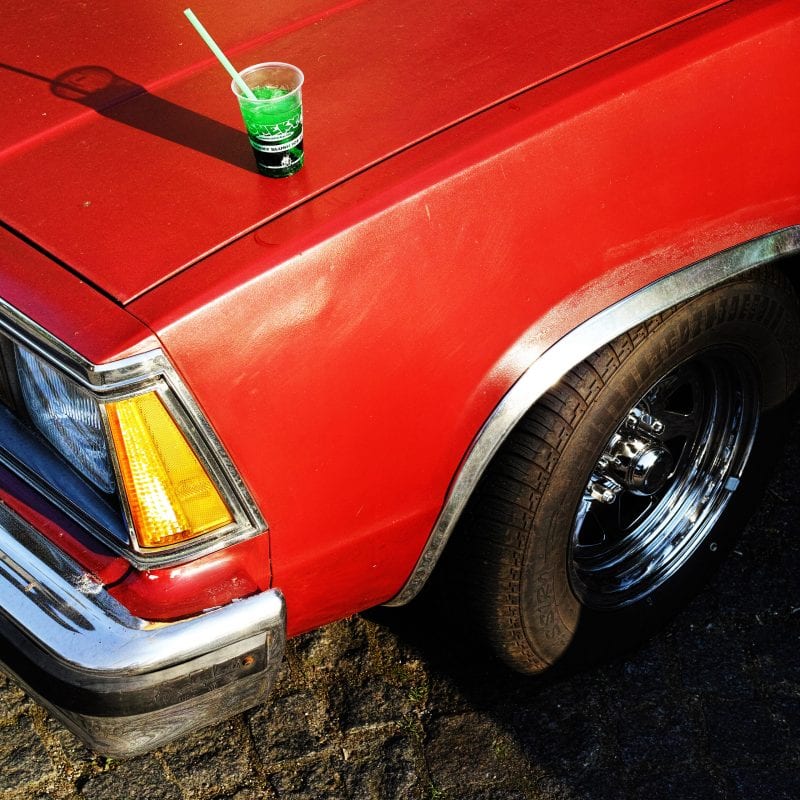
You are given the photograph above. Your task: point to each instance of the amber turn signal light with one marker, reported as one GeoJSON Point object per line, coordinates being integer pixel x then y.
{"type": "Point", "coordinates": [170, 495]}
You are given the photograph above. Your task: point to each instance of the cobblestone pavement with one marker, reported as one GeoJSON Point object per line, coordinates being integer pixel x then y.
{"type": "Point", "coordinates": [710, 708]}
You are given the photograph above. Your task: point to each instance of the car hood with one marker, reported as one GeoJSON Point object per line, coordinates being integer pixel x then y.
{"type": "Point", "coordinates": [122, 153]}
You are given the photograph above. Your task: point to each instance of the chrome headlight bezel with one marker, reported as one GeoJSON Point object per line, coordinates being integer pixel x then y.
{"type": "Point", "coordinates": [150, 371]}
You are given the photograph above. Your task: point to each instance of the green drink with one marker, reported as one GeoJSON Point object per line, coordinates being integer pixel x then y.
{"type": "Point", "coordinates": [274, 120]}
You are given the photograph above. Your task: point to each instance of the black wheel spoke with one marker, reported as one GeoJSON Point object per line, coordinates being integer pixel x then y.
{"type": "Point", "coordinates": [680, 426]}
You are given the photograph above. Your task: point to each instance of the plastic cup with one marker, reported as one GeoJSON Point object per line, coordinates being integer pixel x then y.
{"type": "Point", "coordinates": [274, 120]}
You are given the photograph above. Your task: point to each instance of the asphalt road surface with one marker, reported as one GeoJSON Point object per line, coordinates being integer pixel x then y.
{"type": "Point", "coordinates": [378, 708]}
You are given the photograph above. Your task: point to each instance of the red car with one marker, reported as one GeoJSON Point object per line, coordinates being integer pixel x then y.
{"type": "Point", "coordinates": [526, 315]}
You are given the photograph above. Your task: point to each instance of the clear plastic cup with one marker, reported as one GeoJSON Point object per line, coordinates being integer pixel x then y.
{"type": "Point", "coordinates": [274, 120]}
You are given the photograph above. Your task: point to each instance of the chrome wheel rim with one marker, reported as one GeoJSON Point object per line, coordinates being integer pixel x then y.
{"type": "Point", "coordinates": [663, 479]}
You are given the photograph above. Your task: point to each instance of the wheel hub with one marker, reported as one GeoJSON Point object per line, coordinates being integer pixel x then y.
{"type": "Point", "coordinates": [662, 480]}
{"type": "Point", "coordinates": [649, 470]}
{"type": "Point", "coordinates": [642, 466]}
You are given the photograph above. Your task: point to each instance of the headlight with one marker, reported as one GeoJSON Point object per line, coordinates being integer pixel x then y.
{"type": "Point", "coordinates": [67, 416]}
{"type": "Point", "coordinates": [167, 491]}
{"type": "Point", "coordinates": [120, 446]}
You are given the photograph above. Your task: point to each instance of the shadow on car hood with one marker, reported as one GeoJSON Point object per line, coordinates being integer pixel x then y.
{"type": "Point", "coordinates": [122, 153]}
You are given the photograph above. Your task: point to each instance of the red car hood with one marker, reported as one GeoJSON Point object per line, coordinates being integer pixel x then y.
{"type": "Point", "coordinates": [122, 153]}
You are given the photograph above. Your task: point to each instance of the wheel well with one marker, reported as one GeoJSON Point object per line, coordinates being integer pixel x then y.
{"type": "Point", "coordinates": [789, 265]}
{"type": "Point", "coordinates": [781, 248]}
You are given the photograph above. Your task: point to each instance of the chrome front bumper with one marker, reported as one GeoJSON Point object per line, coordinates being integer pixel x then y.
{"type": "Point", "coordinates": [122, 684]}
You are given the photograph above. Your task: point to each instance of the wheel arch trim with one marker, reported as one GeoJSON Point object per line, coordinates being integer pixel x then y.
{"type": "Point", "coordinates": [549, 367]}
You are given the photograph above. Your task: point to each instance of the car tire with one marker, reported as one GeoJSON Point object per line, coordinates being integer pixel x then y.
{"type": "Point", "coordinates": [622, 488]}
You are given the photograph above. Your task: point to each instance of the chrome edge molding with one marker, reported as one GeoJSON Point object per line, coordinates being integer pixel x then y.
{"type": "Point", "coordinates": [573, 348]}
{"type": "Point", "coordinates": [65, 622]}
{"type": "Point", "coordinates": [133, 375]}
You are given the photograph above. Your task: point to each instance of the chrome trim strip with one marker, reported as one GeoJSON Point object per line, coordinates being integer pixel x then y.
{"type": "Point", "coordinates": [151, 370]}
{"type": "Point", "coordinates": [70, 617]}
{"type": "Point", "coordinates": [95, 377]}
{"type": "Point", "coordinates": [573, 348]}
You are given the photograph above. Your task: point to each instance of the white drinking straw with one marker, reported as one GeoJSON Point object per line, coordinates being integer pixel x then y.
{"type": "Point", "coordinates": [223, 59]}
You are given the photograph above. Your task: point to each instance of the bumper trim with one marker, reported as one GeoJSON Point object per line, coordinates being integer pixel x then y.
{"type": "Point", "coordinates": [123, 684]}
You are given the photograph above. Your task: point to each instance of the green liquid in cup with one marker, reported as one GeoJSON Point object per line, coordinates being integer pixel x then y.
{"type": "Point", "coordinates": [268, 92]}
{"type": "Point", "coordinates": [275, 130]}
